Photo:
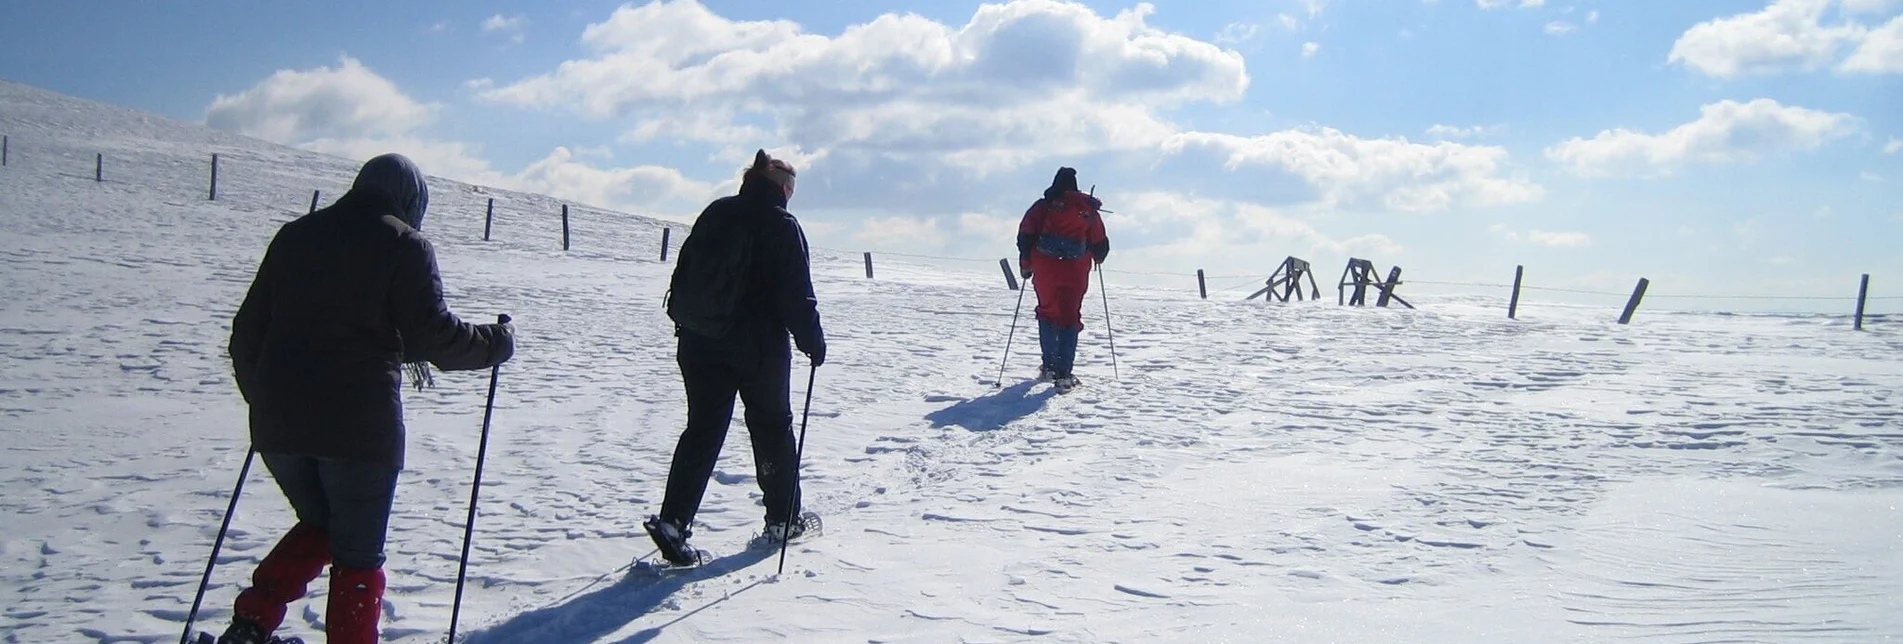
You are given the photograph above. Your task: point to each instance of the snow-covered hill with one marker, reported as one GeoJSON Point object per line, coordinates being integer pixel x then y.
{"type": "Point", "coordinates": [1243, 473]}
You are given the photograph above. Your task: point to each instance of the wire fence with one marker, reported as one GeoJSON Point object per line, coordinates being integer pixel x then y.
{"type": "Point", "coordinates": [1234, 282]}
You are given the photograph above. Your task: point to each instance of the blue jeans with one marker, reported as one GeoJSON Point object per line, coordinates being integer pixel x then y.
{"type": "Point", "coordinates": [348, 500]}
{"type": "Point", "coordinates": [1059, 346]}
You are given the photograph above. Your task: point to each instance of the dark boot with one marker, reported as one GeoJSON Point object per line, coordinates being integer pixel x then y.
{"type": "Point", "coordinates": [671, 537]}
{"type": "Point", "coordinates": [283, 577]}
{"type": "Point", "coordinates": [356, 603]}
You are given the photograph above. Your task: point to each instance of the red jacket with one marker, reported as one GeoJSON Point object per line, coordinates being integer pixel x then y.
{"type": "Point", "coordinates": [1064, 226]}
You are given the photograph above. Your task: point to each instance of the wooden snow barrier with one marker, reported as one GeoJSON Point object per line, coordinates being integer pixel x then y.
{"type": "Point", "coordinates": [1361, 274]}
{"type": "Point", "coordinates": [1286, 282]}
{"type": "Point", "coordinates": [1010, 278]}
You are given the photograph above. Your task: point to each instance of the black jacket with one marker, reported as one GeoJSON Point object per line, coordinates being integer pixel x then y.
{"type": "Point", "coordinates": [778, 299]}
{"type": "Point", "coordinates": [343, 297]}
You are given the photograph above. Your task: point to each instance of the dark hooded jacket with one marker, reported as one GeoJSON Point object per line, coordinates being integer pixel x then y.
{"type": "Point", "coordinates": [344, 296]}
{"type": "Point", "coordinates": [778, 299]}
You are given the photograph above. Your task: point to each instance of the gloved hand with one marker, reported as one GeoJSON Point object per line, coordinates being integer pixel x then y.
{"type": "Point", "coordinates": [1024, 268]}
{"type": "Point", "coordinates": [815, 349]}
{"type": "Point", "coordinates": [502, 342]}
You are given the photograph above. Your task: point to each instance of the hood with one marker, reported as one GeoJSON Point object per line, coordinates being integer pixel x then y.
{"type": "Point", "coordinates": [396, 178]}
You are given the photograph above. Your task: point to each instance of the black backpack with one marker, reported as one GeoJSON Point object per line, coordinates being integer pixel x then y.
{"type": "Point", "coordinates": [711, 274]}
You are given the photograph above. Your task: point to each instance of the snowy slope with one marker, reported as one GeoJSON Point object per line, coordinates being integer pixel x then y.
{"type": "Point", "coordinates": [1245, 472]}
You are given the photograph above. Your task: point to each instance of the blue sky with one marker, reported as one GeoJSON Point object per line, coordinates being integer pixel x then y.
{"type": "Point", "coordinates": [1715, 146]}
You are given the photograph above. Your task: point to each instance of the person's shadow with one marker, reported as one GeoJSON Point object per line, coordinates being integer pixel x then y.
{"type": "Point", "coordinates": [586, 618]}
{"type": "Point", "coordinates": [990, 412]}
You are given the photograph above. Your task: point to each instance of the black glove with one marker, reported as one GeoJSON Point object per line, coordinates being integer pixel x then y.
{"type": "Point", "coordinates": [501, 342]}
{"type": "Point", "coordinates": [1024, 267]}
{"type": "Point", "coordinates": [815, 349]}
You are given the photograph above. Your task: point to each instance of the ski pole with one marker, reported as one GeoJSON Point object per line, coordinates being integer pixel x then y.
{"type": "Point", "coordinates": [1101, 290]}
{"type": "Point", "coordinates": [469, 526]}
{"type": "Point", "coordinates": [1014, 330]}
{"type": "Point", "coordinates": [798, 452]}
{"type": "Point", "coordinates": [216, 544]}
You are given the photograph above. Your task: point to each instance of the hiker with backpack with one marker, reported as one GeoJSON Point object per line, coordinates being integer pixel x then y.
{"type": "Point", "coordinates": [345, 299]}
{"type": "Point", "coordinates": [741, 286]}
{"type": "Point", "coordinates": [1059, 238]}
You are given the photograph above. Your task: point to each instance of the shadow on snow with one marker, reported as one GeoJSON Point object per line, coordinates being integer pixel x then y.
{"type": "Point", "coordinates": [589, 617]}
{"type": "Point", "coordinates": [993, 411]}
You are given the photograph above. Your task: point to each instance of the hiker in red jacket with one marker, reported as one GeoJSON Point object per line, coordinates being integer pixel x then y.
{"type": "Point", "coordinates": [1059, 238]}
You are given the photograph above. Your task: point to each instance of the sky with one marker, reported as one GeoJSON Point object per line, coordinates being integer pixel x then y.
{"type": "Point", "coordinates": [1712, 146]}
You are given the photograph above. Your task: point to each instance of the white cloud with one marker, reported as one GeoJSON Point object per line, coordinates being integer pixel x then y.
{"type": "Point", "coordinates": [1440, 131]}
{"type": "Point", "coordinates": [1020, 81]}
{"type": "Point", "coordinates": [1592, 16]}
{"type": "Point", "coordinates": [438, 27]}
{"type": "Point", "coordinates": [713, 126]}
{"type": "Point", "coordinates": [1872, 177]}
{"type": "Point", "coordinates": [1349, 171]}
{"type": "Point", "coordinates": [294, 107]}
{"type": "Point", "coordinates": [1792, 35]}
{"type": "Point", "coordinates": [1235, 33]}
{"type": "Point", "coordinates": [1726, 131]}
{"type": "Point", "coordinates": [665, 53]}
{"type": "Point", "coordinates": [1310, 48]}
{"type": "Point", "coordinates": [510, 26]}
{"type": "Point", "coordinates": [1558, 239]}
{"type": "Point", "coordinates": [1288, 22]}
{"type": "Point", "coordinates": [561, 174]}
{"type": "Point", "coordinates": [1868, 6]}
{"type": "Point", "coordinates": [1881, 51]}
{"type": "Point", "coordinates": [1495, 4]}
{"type": "Point", "coordinates": [905, 112]}
{"type": "Point", "coordinates": [1315, 7]}
{"type": "Point", "coordinates": [1893, 146]}
{"type": "Point", "coordinates": [888, 232]}
{"type": "Point", "coordinates": [1559, 28]}
{"type": "Point", "coordinates": [352, 112]}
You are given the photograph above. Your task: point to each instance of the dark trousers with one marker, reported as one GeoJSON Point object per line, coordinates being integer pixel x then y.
{"type": "Point", "coordinates": [712, 381]}
{"type": "Point", "coordinates": [347, 500]}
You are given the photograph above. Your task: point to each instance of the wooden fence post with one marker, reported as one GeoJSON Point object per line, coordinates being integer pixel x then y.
{"type": "Point", "coordinates": [1513, 305]}
{"type": "Point", "coordinates": [214, 177]}
{"type": "Point", "coordinates": [868, 264]}
{"type": "Point", "coordinates": [314, 200]}
{"type": "Point", "coordinates": [4, 141]}
{"type": "Point", "coordinates": [664, 235]}
{"type": "Point", "coordinates": [1010, 278]}
{"type": "Point", "coordinates": [1638, 293]}
{"type": "Point", "coordinates": [488, 218]}
{"type": "Point", "coordinates": [1202, 287]}
{"type": "Point", "coordinates": [564, 227]}
{"type": "Point", "coordinates": [1863, 291]}
{"type": "Point", "coordinates": [99, 166]}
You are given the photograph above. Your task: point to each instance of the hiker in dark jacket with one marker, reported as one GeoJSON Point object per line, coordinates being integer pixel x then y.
{"type": "Point", "coordinates": [750, 359]}
{"type": "Point", "coordinates": [344, 297]}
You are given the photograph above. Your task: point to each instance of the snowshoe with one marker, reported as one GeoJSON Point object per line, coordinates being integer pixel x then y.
{"type": "Point", "coordinates": [1046, 373]}
{"type": "Point", "coordinates": [244, 632]}
{"type": "Point", "coordinates": [671, 538]}
{"type": "Point", "coordinates": [806, 526]}
{"type": "Point", "coordinates": [662, 565]}
{"type": "Point", "coordinates": [1063, 384]}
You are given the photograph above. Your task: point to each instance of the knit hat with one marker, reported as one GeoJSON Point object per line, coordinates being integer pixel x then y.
{"type": "Point", "coordinates": [1065, 181]}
